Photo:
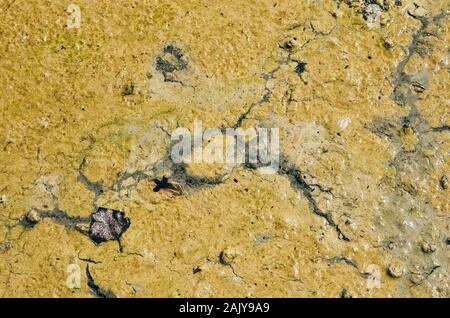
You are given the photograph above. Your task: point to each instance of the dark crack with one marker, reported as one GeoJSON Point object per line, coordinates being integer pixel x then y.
{"type": "Point", "coordinates": [58, 216]}
{"type": "Point", "coordinates": [346, 260]}
{"type": "Point", "coordinates": [440, 129]}
{"type": "Point", "coordinates": [339, 259]}
{"type": "Point", "coordinates": [88, 260]}
{"type": "Point", "coordinates": [297, 181]}
{"type": "Point", "coordinates": [299, 69]}
{"type": "Point", "coordinates": [97, 188]}
{"type": "Point", "coordinates": [402, 93]}
{"type": "Point", "coordinates": [96, 289]}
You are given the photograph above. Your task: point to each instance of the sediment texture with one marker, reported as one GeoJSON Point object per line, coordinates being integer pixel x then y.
{"type": "Point", "coordinates": [358, 89]}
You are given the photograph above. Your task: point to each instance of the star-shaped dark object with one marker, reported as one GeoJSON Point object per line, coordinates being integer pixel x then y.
{"type": "Point", "coordinates": [170, 188]}
{"type": "Point", "coordinates": [164, 184]}
{"type": "Point", "coordinates": [300, 68]}
{"type": "Point", "coordinates": [161, 184]}
{"type": "Point", "coordinates": [107, 225]}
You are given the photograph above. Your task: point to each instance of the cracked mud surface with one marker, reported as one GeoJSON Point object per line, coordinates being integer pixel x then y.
{"type": "Point", "coordinates": [358, 89]}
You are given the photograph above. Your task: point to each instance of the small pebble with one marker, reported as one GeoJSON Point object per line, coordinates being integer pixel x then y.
{"type": "Point", "coordinates": [227, 256]}
{"type": "Point", "coordinates": [387, 43]}
{"type": "Point", "coordinates": [427, 247]}
{"type": "Point", "coordinates": [33, 216]}
{"type": "Point", "coordinates": [416, 279]}
{"type": "Point", "coordinates": [346, 294]}
{"type": "Point", "coordinates": [372, 15]}
{"type": "Point", "coordinates": [5, 246]}
{"type": "Point", "coordinates": [289, 44]}
{"type": "Point", "coordinates": [3, 199]}
{"type": "Point", "coordinates": [396, 270]}
{"type": "Point", "coordinates": [443, 181]}
{"type": "Point", "coordinates": [417, 87]}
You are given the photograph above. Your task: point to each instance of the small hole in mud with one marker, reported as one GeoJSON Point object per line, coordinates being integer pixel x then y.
{"type": "Point", "coordinates": [235, 180]}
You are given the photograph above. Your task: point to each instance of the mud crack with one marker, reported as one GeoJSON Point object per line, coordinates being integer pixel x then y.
{"type": "Point", "coordinates": [96, 289]}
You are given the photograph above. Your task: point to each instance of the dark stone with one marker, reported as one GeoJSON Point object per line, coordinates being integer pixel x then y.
{"type": "Point", "coordinates": [171, 61]}
{"type": "Point", "coordinates": [107, 225]}
{"type": "Point", "coordinates": [164, 66]}
{"type": "Point", "coordinates": [346, 294]}
{"type": "Point", "coordinates": [177, 52]}
{"type": "Point", "coordinates": [300, 68]}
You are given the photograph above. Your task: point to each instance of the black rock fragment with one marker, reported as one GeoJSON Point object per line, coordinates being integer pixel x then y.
{"type": "Point", "coordinates": [107, 225]}
{"type": "Point", "coordinates": [171, 61]}
{"type": "Point", "coordinates": [300, 68]}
